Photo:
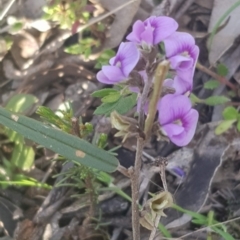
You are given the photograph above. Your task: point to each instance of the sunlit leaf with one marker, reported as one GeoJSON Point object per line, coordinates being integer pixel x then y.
{"type": "Point", "coordinates": [224, 126]}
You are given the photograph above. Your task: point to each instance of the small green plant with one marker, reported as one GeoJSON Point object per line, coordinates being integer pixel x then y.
{"type": "Point", "coordinates": [84, 47]}
{"type": "Point", "coordinates": [207, 221]}
{"type": "Point", "coordinates": [66, 13]}
{"type": "Point", "coordinates": [231, 116]}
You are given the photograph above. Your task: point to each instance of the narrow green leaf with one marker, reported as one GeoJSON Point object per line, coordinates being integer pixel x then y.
{"type": "Point", "coordinates": [164, 231]}
{"type": "Point", "coordinates": [224, 126]}
{"type": "Point", "coordinates": [220, 21]}
{"type": "Point", "coordinates": [104, 92]}
{"type": "Point", "coordinates": [216, 100]}
{"type": "Point", "coordinates": [69, 146]}
{"type": "Point", "coordinates": [211, 84]}
{"type": "Point", "coordinates": [238, 125]}
{"type": "Point", "coordinates": [195, 215]}
{"type": "Point", "coordinates": [230, 113]}
{"type": "Point", "coordinates": [225, 235]}
{"type": "Point", "coordinates": [222, 69]}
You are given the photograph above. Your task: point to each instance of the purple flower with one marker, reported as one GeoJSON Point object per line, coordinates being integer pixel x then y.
{"type": "Point", "coordinates": [153, 30]}
{"type": "Point", "coordinates": [182, 82]}
{"type": "Point", "coordinates": [177, 118]}
{"type": "Point", "coordinates": [121, 65]}
{"type": "Point", "coordinates": [181, 51]}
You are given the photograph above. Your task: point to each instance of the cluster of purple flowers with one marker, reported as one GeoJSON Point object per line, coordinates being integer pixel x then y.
{"type": "Point", "coordinates": [176, 117]}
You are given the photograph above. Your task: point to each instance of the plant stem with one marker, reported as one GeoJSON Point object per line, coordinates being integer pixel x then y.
{"type": "Point", "coordinates": [135, 189]}
{"type": "Point", "coordinates": [156, 222]}
{"type": "Point", "coordinates": [221, 79]}
{"type": "Point", "coordinates": [159, 77]}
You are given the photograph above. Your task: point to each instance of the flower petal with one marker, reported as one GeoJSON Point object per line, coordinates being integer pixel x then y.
{"type": "Point", "coordinates": [172, 130]}
{"type": "Point", "coordinates": [129, 55]}
{"type": "Point", "coordinates": [138, 28]}
{"type": "Point", "coordinates": [147, 35]}
{"type": "Point", "coordinates": [163, 27]}
{"type": "Point", "coordinates": [178, 43]}
{"type": "Point", "coordinates": [181, 62]}
{"type": "Point", "coordinates": [181, 86]}
{"type": "Point", "coordinates": [189, 124]}
{"type": "Point", "coordinates": [172, 107]}
{"type": "Point", "coordinates": [113, 73]}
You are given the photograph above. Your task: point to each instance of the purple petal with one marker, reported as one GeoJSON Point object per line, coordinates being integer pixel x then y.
{"type": "Point", "coordinates": [129, 56]}
{"type": "Point", "coordinates": [147, 35]}
{"type": "Point", "coordinates": [172, 107]}
{"type": "Point", "coordinates": [163, 27]}
{"type": "Point", "coordinates": [113, 73]}
{"type": "Point", "coordinates": [178, 43]}
{"type": "Point", "coordinates": [181, 62]}
{"type": "Point", "coordinates": [172, 130]}
{"type": "Point", "coordinates": [101, 77]}
{"type": "Point", "coordinates": [181, 86]}
{"type": "Point", "coordinates": [138, 28]}
{"type": "Point", "coordinates": [189, 124]}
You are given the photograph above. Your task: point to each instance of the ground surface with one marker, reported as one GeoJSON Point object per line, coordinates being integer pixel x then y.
{"type": "Point", "coordinates": [35, 63]}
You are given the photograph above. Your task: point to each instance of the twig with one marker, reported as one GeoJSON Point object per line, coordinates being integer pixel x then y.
{"type": "Point", "coordinates": [135, 189]}
{"type": "Point", "coordinates": [159, 77]}
{"type": "Point", "coordinates": [183, 9]}
{"type": "Point", "coordinates": [123, 170]}
{"type": "Point", "coordinates": [221, 79]}
{"type": "Point", "coordinates": [162, 166]}
{"type": "Point", "coordinates": [156, 222]}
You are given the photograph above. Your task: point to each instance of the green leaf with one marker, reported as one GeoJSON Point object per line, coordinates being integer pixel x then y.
{"type": "Point", "coordinates": [104, 92]}
{"type": "Point", "coordinates": [222, 69]}
{"type": "Point", "coordinates": [69, 146]}
{"type": "Point", "coordinates": [122, 106]}
{"type": "Point", "coordinates": [21, 103]}
{"type": "Point", "coordinates": [220, 21]}
{"type": "Point", "coordinates": [111, 98]}
{"type": "Point", "coordinates": [211, 84]}
{"type": "Point", "coordinates": [164, 231]}
{"type": "Point", "coordinates": [238, 125]}
{"type": "Point", "coordinates": [23, 156]}
{"type": "Point", "coordinates": [230, 113]}
{"type": "Point", "coordinates": [225, 235]}
{"type": "Point", "coordinates": [195, 215]}
{"type": "Point", "coordinates": [224, 126]}
{"type": "Point", "coordinates": [216, 100]}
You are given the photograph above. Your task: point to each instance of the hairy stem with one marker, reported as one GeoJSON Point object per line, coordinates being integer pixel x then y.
{"type": "Point", "coordinates": [135, 189]}
{"type": "Point", "coordinates": [159, 77]}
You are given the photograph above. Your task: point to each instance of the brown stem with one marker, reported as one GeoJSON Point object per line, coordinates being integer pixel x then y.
{"type": "Point", "coordinates": [221, 79]}
{"type": "Point", "coordinates": [135, 189]}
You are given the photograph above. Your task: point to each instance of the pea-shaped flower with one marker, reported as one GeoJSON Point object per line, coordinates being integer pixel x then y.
{"type": "Point", "coordinates": [181, 51]}
{"type": "Point", "coordinates": [153, 30]}
{"type": "Point", "coordinates": [177, 119]}
{"type": "Point", "coordinates": [121, 65]}
{"type": "Point", "coordinates": [182, 82]}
